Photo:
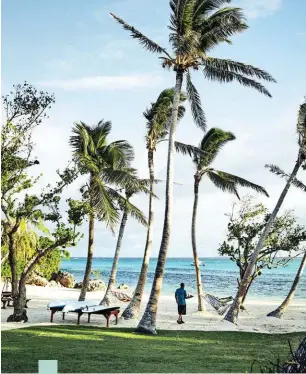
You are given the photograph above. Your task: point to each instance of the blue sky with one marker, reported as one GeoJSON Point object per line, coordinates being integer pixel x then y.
{"type": "Point", "coordinates": [75, 49]}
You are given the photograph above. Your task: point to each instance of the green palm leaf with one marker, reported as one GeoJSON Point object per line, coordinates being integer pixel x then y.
{"type": "Point", "coordinates": [242, 182]}
{"type": "Point", "coordinates": [211, 144]}
{"type": "Point", "coordinates": [143, 40]}
{"type": "Point", "coordinates": [195, 103]}
{"type": "Point", "coordinates": [221, 182]}
{"type": "Point", "coordinates": [187, 149]}
{"type": "Point", "coordinates": [279, 172]}
{"type": "Point", "coordinates": [215, 74]}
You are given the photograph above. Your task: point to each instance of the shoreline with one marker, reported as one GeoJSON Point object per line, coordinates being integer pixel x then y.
{"type": "Point", "coordinates": [254, 320]}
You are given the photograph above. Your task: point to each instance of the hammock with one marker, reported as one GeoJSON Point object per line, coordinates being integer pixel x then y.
{"type": "Point", "coordinates": [121, 296]}
{"type": "Point", "coordinates": [219, 304]}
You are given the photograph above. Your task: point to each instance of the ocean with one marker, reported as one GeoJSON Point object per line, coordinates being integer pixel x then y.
{"type": "Point", "coordinates": [219, 276]}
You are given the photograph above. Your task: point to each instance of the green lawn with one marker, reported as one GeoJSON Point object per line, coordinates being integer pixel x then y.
{"type": "Point", "coordinates": [96, 350]}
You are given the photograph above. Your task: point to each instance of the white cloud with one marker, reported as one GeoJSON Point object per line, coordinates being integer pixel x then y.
{"type": "Point", "coordinates": [100, 82]}
{"type": "Point", "coordinates": [60, 64]}
{"type": "Point", "coordinates": [258, 8]}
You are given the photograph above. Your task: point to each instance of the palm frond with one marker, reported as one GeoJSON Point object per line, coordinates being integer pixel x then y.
{"type": "Point", "coordinates": [221, 182]}
{"type": "Point", "coordinates": [103, 204]}
{"type": "Point", "coordinates": [239, 67]}
{"type": "Point", "coordinates": [216, 74]}
{"type": "Point", "coordinates": [124, 203]}
{"type": "Point", "coordinates": [279, 172]}
{"type": "Point", "coordinates": [119, 154]}
{"type": "Point", "coordinates": [242, 182]}
{"type": "Point", "coordinates": [187, 149]}
{"type": "Point", "coordinates": [211, 144]}
{"type": "Point", "coordinates": [195, 103]}
{"type": "Point", "coordinates": [301, 126]}
{"type": "Point", "coordinates": [143, 40]}
{"type": "Point", "coordinates": [220, 26]}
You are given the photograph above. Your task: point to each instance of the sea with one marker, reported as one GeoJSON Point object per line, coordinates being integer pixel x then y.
{"type": "Point", "coordinates": [219, 276]}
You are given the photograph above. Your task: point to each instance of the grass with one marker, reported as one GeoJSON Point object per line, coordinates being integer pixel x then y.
{"type": "Point", "coordinates": [81, 349]}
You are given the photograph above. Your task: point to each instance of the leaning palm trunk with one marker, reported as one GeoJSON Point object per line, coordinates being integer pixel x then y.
{"type": "Point", "coordinates": [282, 308]}
{"type": "Point", "coordinates": [147, 323]}
{"type": "Point", "coordinates": [89, 257]}
{"type": "Point", "coordinates": [112, 280]}
{"type": "Point", "coordinates": [194, 246]}
{"type": "Point", "coordinates": [232, 314]}
{"type": "Point", "coordinates": [132, 310]}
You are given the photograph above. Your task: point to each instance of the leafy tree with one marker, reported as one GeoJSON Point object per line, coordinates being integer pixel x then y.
{"type": "Point", "coordinates": [158, 117]}
{"type": "Point", "coordinates": [108, 167]}
{"type": "Point", "coordinates": [246, 223]}
{"type": "Point", "coordinates": [196, 27]}
{"type": "Point", "coordinates": [25, 109]}
{"type": "Point", "coordinates": [232, 314]}
{"type": "Point", "coordinates": [202, 157]}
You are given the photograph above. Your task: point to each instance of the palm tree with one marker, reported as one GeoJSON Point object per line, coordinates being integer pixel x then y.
{"type": "Point", "coordinates": [278, 312]}
{"type": "Point", "coordinates": [157, 116]}
{"type": "Point", "coordinates": [196, 27]}
{"type": "Point", "coordinates": [106, 165]}
{"type": "Point", "coordinates": [129, 192]}
{"type": "Point", "coordinates": [232, 314]}
{"type": "Point", "coordinates": [208, 150]}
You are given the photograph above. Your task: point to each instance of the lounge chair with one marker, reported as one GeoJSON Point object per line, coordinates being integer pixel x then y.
{"type": "Point", "coordinates": [107, 312]}
{"type": "Point", "coordinates": [69, 305]}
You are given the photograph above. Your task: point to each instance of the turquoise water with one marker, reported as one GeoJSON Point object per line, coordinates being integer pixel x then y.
{"type": "Point", "coordinates": [219, 275]}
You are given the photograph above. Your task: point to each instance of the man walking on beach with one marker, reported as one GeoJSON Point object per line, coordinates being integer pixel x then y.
{"type": "Point", "coordinates": [180, 297]}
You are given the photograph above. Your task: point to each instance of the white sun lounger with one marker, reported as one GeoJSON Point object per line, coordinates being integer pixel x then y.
{"type": "Point", "coordinates": [66, 306]}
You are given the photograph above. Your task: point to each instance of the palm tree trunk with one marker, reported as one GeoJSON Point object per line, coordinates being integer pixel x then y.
{"type": "Point", "coordinates": [91, 233]}
{"type": "Point", "coordinates": [232, 314]}
{"type": "Point", "coordinates": [112, 279]}
{"type": "Point", "coordinates": [194, 245]}
{"type": "Point", "coordinates": [278, 312]}
{"type": "Point", "coordinates": [147, 323]}
{"type": "Point", "coordinates": [132, 310]}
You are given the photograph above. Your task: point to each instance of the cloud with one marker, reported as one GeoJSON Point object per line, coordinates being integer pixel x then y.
{"type": "Point", "coordinates": [100, 82]}
{"type": "Point", "coordinates": [60, 64]}
{"type": "Point", "coordinates": [258, 8]}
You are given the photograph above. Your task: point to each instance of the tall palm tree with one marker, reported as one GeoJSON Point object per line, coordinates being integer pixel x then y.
{"type": "Point", "coordinates": [208, 150]}
{"type": "Point", "coordinates": [106, 164]}
{"type": "Point", "coordinates": [232, 314]}
{"type": "Point", "coordinates": [278, 312]}
{"type": "Point", "coordinates": [196, 27]}
{"type": "Point", "coordinates": [129, 192]}
{"type": "Point", "coordinates": [157, 117]}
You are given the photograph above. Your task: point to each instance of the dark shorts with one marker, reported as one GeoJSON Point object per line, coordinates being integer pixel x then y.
{"type": "Point", "coordinates": [181, 309]}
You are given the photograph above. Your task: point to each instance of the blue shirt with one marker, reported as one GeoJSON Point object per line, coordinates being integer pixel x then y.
{"type": "Point", "coordinates": [181, 295]}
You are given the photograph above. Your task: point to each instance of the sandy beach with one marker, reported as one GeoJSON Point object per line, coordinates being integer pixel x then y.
{"type": "Point", "coordinates": [254, 320]}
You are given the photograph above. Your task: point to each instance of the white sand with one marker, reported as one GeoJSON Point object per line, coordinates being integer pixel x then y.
{"type": "Point", "coordinates": [254, 320]}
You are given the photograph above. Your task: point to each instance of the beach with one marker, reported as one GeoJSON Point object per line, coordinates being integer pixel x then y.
{"type": "Point", "coordinates": [254, 320]}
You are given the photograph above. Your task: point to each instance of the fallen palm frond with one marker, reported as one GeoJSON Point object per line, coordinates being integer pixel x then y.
{"type": "Point", "coordinates": [121, 296]}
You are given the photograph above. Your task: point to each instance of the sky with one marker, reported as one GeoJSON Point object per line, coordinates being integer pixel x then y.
{"type": "Point", "coordinates": [75, 50]}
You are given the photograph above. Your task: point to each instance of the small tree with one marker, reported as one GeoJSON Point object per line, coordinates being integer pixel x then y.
{"type": "Point", "coordinates": [24, 109]}
{"type": "Point", "coordinates": [246, 223]}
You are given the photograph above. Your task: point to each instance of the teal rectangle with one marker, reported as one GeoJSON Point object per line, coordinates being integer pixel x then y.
{"type": "Point", "coordinates": [47, 366]}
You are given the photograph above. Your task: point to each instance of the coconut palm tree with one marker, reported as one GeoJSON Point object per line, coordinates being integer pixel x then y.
{"type": "Point", "coordinates": [278, 312]}
{"type": "Point", "coordinates": [157, 117]}
{"type": "Point", "coordinates": [129, 192]}
{"type": "Point", "coordinates": [232, 314]}
{"type": "Point", "coordinates": [196, 27]}
{"type": "Point", "coordinates": [107, 165]}
{"type": "Point", "coordinates": [210, 146]}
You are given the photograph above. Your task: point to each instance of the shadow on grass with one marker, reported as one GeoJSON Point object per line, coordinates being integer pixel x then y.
{"type": "Point", "coordinates": [91, 349]}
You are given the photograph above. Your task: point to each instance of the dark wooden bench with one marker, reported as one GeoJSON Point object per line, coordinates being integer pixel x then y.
{"type": "Point", "coordinates": [107, 312]}
{"type": "Point", "coordinates": [7, 299]}
{"type": "Point", "coordinates": [56, 309]}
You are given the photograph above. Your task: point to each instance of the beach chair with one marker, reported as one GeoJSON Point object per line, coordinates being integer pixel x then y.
{"type": "Point", "coordinates": [221, 305]}
{"type": "Point", "coordinates": [69, 305]}
{"type": "Point", "coordinates": [107, 312]}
